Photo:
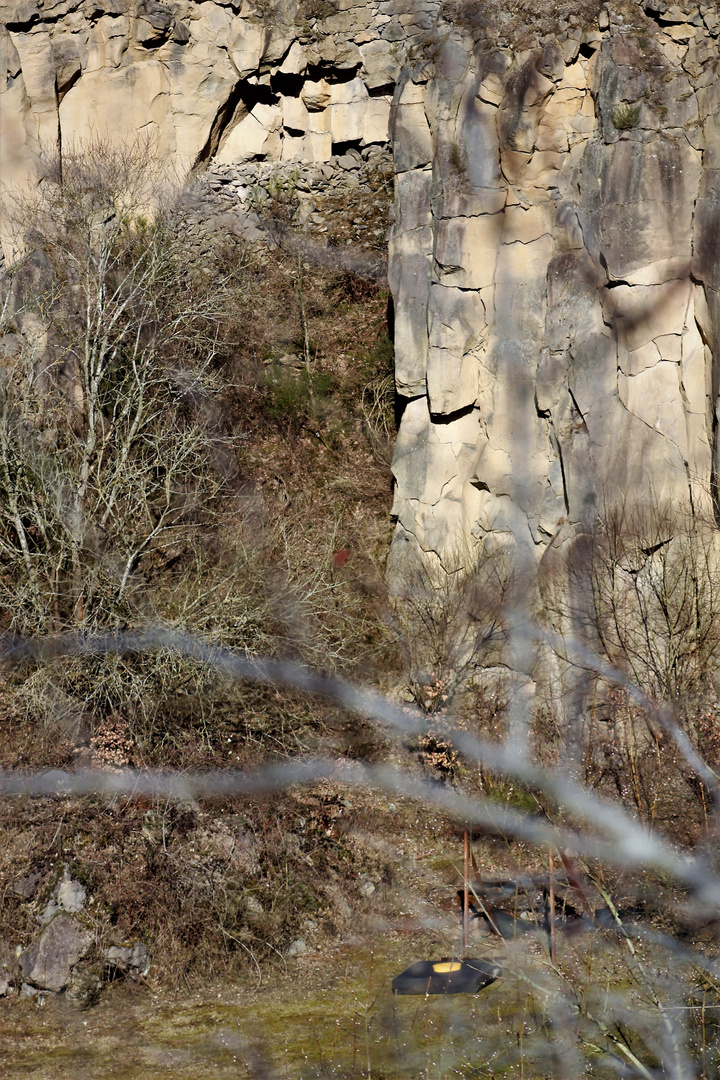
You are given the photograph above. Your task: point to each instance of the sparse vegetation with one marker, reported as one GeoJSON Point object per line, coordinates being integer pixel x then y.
{"type": "Point", "coordinates": [204, 443]}
{"type": "Point", "coordinates": [508, 23]}
{"type": "Point", "coordinates": [157, 468]}
{"type": "Point", "coordinates": [458, 157]}
{"type": "Point", "coordinates": [312, 10]}
{"type": "Point", "coordinates": [625, 117]}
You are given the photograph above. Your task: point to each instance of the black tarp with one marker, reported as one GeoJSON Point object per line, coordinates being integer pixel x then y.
{"type": "Point", "coordinates": [446, 976]}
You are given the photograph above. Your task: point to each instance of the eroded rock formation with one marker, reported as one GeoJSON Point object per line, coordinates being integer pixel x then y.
{"type": "Point", "coordinates": [555, 269]}
{"type": "Point", "coordinates": [553, 261]}
{"type": "Point", "coordinates": [295, 80]}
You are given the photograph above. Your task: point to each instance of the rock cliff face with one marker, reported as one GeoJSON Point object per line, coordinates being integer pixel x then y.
{"type": "Point", "coordinates": [196, 80]}
{"type": "Point", "coordinates": [554, 260]}
{"type": "Point", "coordinates": [555, 268]}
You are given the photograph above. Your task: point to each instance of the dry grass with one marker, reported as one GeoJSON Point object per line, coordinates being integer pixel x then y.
{"type": "Point", "coordinates": [289, 563]}
{"type": "Point", "coordinates": [516, 23]}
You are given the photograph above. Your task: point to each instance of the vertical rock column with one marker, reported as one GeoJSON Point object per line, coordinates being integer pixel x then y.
{"type": "Point", "coordinates": [555, 274]}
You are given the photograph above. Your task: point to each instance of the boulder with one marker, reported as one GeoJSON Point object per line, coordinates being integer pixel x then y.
{"type": "Point", "coordinates": [85, 987]}
{"type": "Point", "coordinates": [69, 895]}
{"type": "Point", "coordinates": [380, 64]}
{"type": "Point", "coordinates": [316, 96]}
{"type": "Point", "coordinates": [247, 45]}
{"type": "Point", "coordinates": [48, 963]}
{"type": "Point", "coordinates": [347, 110]}
{"type": "Point", "coordinates": [376, 121]}
{"type": "Point", "coordinates": [9, 970]}
{"type": "Point", "coordinates": [295, 63]}
{"type": "Point", "coordinates": [297, 947]}
{"type": "Point", "coordinates": [132, 960]}
{"type": "Point", "coordinates": [257, 135]}
{"type": "Point", "coordinates": [295, 116]}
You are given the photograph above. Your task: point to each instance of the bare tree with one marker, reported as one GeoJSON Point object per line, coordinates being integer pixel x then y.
{"type": "Point", "coordinates": [104, 459]}
{"type": "Point", "coordinates": [656, 598]}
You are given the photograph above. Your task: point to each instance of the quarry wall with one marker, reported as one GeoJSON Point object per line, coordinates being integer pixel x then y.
{"type": "Point", "coordinates": [554, 266]}
{"type": "Point", "coordinates": [554, 260]}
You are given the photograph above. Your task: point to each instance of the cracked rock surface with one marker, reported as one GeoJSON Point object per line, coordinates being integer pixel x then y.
{"type": "Point", "coordinates": [49, 961]}
{"type": "Point", "coordinates": [555, 269]}
{"type": "Point", "coordinates": [293, 80]}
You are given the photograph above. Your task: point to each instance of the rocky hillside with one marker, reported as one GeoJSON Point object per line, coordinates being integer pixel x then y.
{"type": "Point", "coordinates": [553, 261]}
{"type": "Point", "coordinates": [554, 269]}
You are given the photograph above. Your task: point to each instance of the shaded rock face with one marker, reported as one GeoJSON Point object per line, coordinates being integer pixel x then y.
{"type": "Point", "coordinates": [555, 266]}
{"type": "Point", "coordinates": [49, 961]}
{"type": "Point", "coordinates": [292, 80]}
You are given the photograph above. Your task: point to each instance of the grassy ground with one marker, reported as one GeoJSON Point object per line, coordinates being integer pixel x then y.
{"type": "Point", "coordinates": [331, 1013]}
{"type": "Point", "coordinates": [607, 1003]}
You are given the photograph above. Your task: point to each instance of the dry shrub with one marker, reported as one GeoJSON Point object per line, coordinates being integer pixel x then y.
{"type": "Point", "coordinates": [450, 617]}
{"type": "Point", "coordinates": [514, 23]}
{"type": "Point", "coordinates": [133, 479]}
{"type": "Point", "coordinates": [247, 557]}
{"type": "Point", "coordinates": [209, 888]}
{"type": "Point", "coordinates": [641, 590]}
{"type": "Point", "coordinates": [656, 598]}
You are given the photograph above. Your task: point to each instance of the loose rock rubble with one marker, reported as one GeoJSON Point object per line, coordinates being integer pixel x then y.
{"type": "Point", "coordinates": [58, 960]}
{"type": "Point", "coordinates": [349, 194]}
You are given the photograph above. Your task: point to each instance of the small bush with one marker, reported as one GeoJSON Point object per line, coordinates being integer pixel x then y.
{"type": "Point", "coordinates": [309, 10]}
{"type": "Point", "coordinates": [626, 116]}
{"type": "Point", "coordinates": [293, 394]}
{"type": "Point", "coordinates": [458, 157]}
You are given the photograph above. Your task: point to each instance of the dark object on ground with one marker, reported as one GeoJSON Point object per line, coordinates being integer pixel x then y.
{"type": "Point", "coordinates": [567, 920]}
{"type": "Point", "coordinates": [446, 976]}
{"type": "Point", "coordinates": [503, 923]}
{"type": "Point", "coordinates": [497, 921]}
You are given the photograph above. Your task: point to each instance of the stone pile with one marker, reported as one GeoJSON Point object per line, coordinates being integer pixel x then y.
{"type": "Point", "coordinates": [56, 961]}
{"type": "Point", "coordinates": [302, 193]}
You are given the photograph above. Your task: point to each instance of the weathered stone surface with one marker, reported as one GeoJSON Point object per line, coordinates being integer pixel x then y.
{"type": "Point", "coordinates": [69, 895]}
{"type": "Point", "coordinates": [348, 104]}
{"type": "Point", "coordinates": [409, 128]}
{"type": "Point", "coordinates": [380, 64]}
{"type": "Point", "coordinates": [257, 135]}
{"type": "Point", "coordinates": [575, 205]}
{"type": "Point", "coordinates": [9, 969]}
{"type": "Point", "coordinates": [49, 961]}
{"type": "Point", "coordinates": [456, 331]}
{"type": "Point", "coordinates": [316, 95]}
{"type": "Point", "coordinates": [409, 274]}
{"type": "Point", "coordinates": [131, 960]}
{"type": "Point", "coordinates": [246, 46]}
{"type": "Point", "coordinates": [295, 117]}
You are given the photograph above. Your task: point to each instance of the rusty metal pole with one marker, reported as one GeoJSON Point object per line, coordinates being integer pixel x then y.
{"type": "Point", "coordinates": [466, 891]}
